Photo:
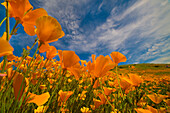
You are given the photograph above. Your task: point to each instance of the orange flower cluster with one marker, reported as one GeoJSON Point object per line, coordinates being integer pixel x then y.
{"type": "Point", "coordinates": [52, 84]}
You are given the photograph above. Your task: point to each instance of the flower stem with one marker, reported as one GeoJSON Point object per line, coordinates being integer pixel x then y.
{"type": "Point", "coordinates": [7, 34]}
{"type": "Point", "coordinates": [105, 95]}
{"type": "Point", "coordinates": [28, 69]}
{"type": "Point", "coordinates": [2, 21]}
{"type": "Point", "coordinates": [12, 32]}
{"type": "Point", "coordinates": [7, 21]}
{"type": "Point", "coordinates": [23, 57]}
{"type": "Point", "coordinates": [119, 83]}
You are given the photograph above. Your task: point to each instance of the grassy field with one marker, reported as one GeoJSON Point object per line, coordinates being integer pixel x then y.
{"type": "Point", "coordinates": [146, 69]}
{"type": "Point", "coordinates": [141, 88]}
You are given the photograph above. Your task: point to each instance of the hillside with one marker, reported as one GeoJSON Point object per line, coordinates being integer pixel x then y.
{"type": "Point", "coordinates": [156, 70]}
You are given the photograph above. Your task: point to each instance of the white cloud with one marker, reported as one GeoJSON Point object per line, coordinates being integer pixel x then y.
{"type": "Point", "coordinates": [136, 31]}
{"type": "Point", "coordinates": [151, 23]}
{"type": "Point", "coordinates": [165, 60]}
{"type": "Point", "coordinates": [134, 7]}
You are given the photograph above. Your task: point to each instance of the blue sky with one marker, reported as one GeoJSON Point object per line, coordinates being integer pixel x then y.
{"type": "Point", "coordinates": [139, 29]}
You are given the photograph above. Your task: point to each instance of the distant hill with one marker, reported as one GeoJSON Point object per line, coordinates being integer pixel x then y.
{"type": "Point", "coordinates": [146, 69]}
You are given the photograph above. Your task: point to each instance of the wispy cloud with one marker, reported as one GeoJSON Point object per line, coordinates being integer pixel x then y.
{"type": "Point", "coordinates": [164, 60]}
{"type": "Point", "coordinates": [148, 26]}
{"type": "Point", "coordinates": [140, 30]}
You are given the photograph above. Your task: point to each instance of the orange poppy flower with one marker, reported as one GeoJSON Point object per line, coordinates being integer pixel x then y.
{"type": "Point", "coordinates": [75, 70]}
{"type": "Point", "coordinates": [64, 95]}
{"type": "Point", "coordinates": [41, 109]}
{"type": "Point", "coordinates": [17, 8]}
{"type": "Point", "coordinates": [153, 110]}
{"type": "Point", "coordinates": [167, 101]}
{"type": "Point", "coordinates": [133, 79]}
{"type": "Point", "coordinates": [124, 84]}
{"type": "Point", "coordinates": [48, 29]}
{"type": "Point", "coordinates": [118, 57]}
{"type": "Point", "coordinates": [107, 90]}
{"type": "Point", "coordinates": [102, 66]}
{"type": "Point", "coordinates": [111, 83]}
{"type": "Point", "coordinates": [22, 10]}
{"type": "Point", "coordinates": [11, 57]}
{"type": "Point", "coordinates": [97, 103]}
{"type": "Point", "coordinates": [9, 72]}
{"type": "Point", "coordinates": [90, 67]}
{"type": "Point", "coordinates": [39, 99]}
{"type": "Point", "coordinates": [51, 53]}
{"type": "Point", "coordinates": [17, 84]}
{"type": "Point", "coordinates": [6, 48]}
{"type": "Point", "coordinates": [4, 36]}
{"type": "Point", "coordinates": [140, 110]}
{"type": "Point", "coordinates": [44, 47]}
{"type": "Point", "coordinates": [155, 98]}
{"type": "Point", "coordinates": [68, 58]}
{"type": "Point", "coordinates": [102, 98]}
{"type": "Point", "coordinates": [97, 83]}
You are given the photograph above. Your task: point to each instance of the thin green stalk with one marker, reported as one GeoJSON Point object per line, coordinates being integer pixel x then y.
{"type": "Point", "coordinates": [57, 88]}
{"type": "Point", "coordinates": [89, 92]}
{"type": "Point", "coordinates": [36, 40]}
{"type": "Point", "coordinates": [62, 103]}
{"type": "Point", "coordinates": [2, 21]}
{"type": "Point", "coordinates": [28, 68]}
{"type": "Point", "coordinates": [105, 95]}
{"type": "Point", "coordinates": [4, 64]}
{"type": "Point", "coordinates": [119, 83]}
{"type": "Point", "coordinates": [7, 21]}
{"type": "Point", "coordinates": [23, 57]}
{"type": "Point", "coordinates": [7, 34]}
{"type": "Point", "coordinates": [16, 23]}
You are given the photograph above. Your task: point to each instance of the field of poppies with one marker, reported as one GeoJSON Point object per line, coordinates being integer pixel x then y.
{"type": "Point", "coordinates": [46, 85]}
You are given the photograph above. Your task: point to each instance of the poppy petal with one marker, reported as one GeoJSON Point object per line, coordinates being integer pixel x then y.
{"type": "Point", "coordinates": [48, 29]}
{"type": "Point", "coordinates": [51, 52]}
{"type": "Point", "coordinates": [6, 48]}
{"type": "Point", "coordinates": [64, 95]}
{"type": "Point", "coordinates": [39, 99]}
{"type": "Point", "coordinates": [70, 58]}
{"type": "Point", "coordinates": [17, 84]}
{"type": "Point", "coordinates": [29, 29]}
{"type": "Point", "coordinates": [118, 57]}
{"type": "Point", "coordinates": [32, 16]}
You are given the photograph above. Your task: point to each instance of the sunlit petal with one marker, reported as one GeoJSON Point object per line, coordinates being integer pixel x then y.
{"type": "Point", "coordinates": [48, 29]}
{"type": "Point", "coordinates": [6, 48]}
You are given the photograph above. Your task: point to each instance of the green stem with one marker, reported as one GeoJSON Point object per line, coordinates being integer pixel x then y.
{"type": "Point", "coordinates": [36, 40]}
{"type": "Point", "coordinates": [62, 103]}
{"type": "Point", "coordinates": [23, 57]}
{"type": "Point", "coordinates": [2, 21]}
{"type": "Point", "coordinates": [4, 63]}
{"type": "Point", "coordinates": [88, 95]}
{"type": "Point", "coordinates": [7, 21]}
{"type": "Point", "coordinates": [28, 68]}
{"type": "Point", "coordinates": [7, 35]}
{"type": "Point", "coordinates": [119, 83]}
{"type": "Point", "coordinates": [17, 22]}
{"type": "Point", "coordinates": [105, 95]}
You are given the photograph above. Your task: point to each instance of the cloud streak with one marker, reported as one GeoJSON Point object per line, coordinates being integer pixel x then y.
{"type": "Point", "coordinates": [140, 30]}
